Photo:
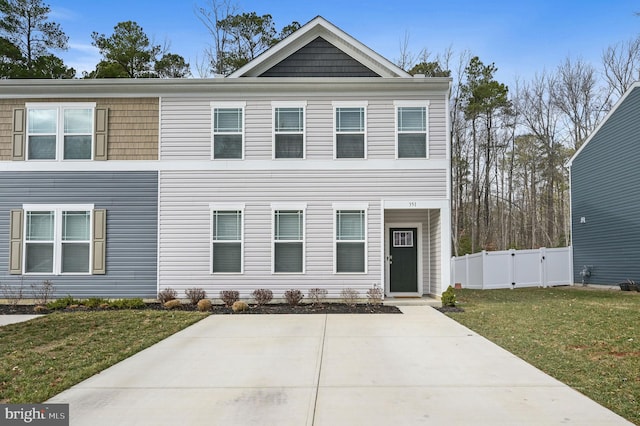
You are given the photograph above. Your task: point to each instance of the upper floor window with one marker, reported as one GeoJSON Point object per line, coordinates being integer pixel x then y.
{"type": "Point", "coordinates": [288, 129]}
{"type": "Point", "coordinates": [228, 131]}
{"type": "Point", "coordinates": [60, 131]}
{"type": "Point", "coordinates": [350, 125]}
{"type": "Point", "coordinates": [412, 129]}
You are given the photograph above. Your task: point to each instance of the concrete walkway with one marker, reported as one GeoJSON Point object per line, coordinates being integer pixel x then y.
{"type": "Point", "coordinates": [412, 369]}
{"type": "Point", "coordinates": [12, 319]}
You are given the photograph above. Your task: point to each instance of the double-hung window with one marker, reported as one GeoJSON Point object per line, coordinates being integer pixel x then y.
{"type": "Point", "coordinates": [288, 129]}
{"type": "Point", "coordinates": [350, 238]}
{"type": "Point", "coordinates": [412, 129]}
{"type": "Point", "coordinates": [227, 239]}
{"type": "Point", "coordinates": [60, 131]}
{"type": "Point", "coordinates": [350, 129]}
{"type": "Point", "coordinates": [288, 239]}
{"type": "Point", "coordinates": [57, 239]}
{"type": "Point", "coordinates": [228, 130]}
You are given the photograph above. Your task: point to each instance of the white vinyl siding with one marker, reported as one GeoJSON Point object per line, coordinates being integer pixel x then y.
{"type": "Point", "coordinates": [186, 128]}
{"type": "Point", "coordinates": [60, 131]}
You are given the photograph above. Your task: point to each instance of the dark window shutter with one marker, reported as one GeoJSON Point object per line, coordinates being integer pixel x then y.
{"type": "Point", "coordinates": [19, 134]}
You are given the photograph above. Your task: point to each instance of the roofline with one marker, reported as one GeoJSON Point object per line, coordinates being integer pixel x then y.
{"type": "Point", "coordinates": [602, 123]}
{"type": "Point", "coordinates": [126, 87]}
{"type": "Point", "coordinates": [316, 22]}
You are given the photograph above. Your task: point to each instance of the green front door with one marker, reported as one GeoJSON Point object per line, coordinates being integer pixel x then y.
{"type": "Point", "coordinates": [403, 260]}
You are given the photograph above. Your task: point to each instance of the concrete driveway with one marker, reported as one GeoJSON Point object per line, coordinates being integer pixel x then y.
{"type": "Point", "coordinates": [412, 369]}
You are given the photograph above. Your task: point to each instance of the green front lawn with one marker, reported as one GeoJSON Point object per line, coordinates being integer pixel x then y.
{"type": "Point", "coordinates": [43, 357]}
{"type": "Point", "coordinates": [586, 338]}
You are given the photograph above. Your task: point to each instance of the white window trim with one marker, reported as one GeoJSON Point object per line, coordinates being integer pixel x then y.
{"type": "Point", "coordinates": [228, 105]}
{"type": "Point", "coordinates": [57, 235]}
{"type": "Point", "coordinates": [60, 107]}
{"type": "Point", "coordinates": [289, 104]}
{"type": "Point", "coordinates": [350, 206]}
{"type": "Point", "coordinates": [421, 103]}
{"type": "Point", "coordinates": [289, 207]}
{"type": "Point", "coordinates": [213, 207]}
{"type": "Point", "coordinates": [349, 104]}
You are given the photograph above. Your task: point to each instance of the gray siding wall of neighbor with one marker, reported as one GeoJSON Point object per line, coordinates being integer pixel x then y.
{"type": "Point", "coordinates": [131, 203]}
{"type": "Point", "coordinates": [185, 223]}
{"type": "Point", "coordinates": [186, 127]}
{"type": "Point", "coordinates": [605, 190]}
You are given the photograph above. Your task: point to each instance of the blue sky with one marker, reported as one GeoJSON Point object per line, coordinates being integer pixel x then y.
{"type": "Point", "coordinates": [520, 37]}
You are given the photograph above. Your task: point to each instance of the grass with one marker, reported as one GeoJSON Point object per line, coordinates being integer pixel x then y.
{"type": "Point", "coordinates": [586, 338]}
{"type": "Point", "coordinates": [41, 358]}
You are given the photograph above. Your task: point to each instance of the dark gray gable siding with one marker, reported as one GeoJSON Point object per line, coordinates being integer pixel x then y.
{"type": "Point", "coordinates": [605, 190]}
{"type": "Point", "coordinates": [131, 201]}
{"type": "Point", "coordinates": [319, 58]}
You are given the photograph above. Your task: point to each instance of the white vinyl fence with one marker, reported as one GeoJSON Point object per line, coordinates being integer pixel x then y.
{"type": "Point", "coordinates": [513, 268]}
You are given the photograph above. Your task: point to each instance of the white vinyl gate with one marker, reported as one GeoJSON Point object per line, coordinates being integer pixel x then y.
{"type": "Point", "coordinates": [513, 268]}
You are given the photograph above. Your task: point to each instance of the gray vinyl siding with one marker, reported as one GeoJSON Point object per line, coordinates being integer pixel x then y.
{"type": "Point", "coordinates": [605, 178]}
{"type": "Point", "coordinates": [319, 58]}
{"type": "Point", "coordinates": [130, 200]}
{"type": "Point", "coordinates": [186, 127]}
{"type": "Point", "coordinates": [435, 241]}
{"type": "Point", "coordinates": [185, 235]}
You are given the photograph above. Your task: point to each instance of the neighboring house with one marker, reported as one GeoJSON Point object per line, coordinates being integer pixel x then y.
{"type": "Point", "coordinates": [318, 164]}
{"type": "Point", "coordinates": [605, 177]}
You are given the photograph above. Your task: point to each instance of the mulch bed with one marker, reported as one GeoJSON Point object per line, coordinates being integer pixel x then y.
{"type": "Point", "coordinates": [446, 309]}
{"type": "Point", "coordinates": [275, 308]}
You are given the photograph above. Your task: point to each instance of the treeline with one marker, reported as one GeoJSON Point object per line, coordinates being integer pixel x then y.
{"type": "Point", "coordinates": [29, 41]}
{"type": "Point", "coordinates": [510, 145]}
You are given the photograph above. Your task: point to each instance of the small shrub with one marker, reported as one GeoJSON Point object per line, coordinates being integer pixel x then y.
{"type": "Point", "coordinates": [40, 309]}
{"type": "Point", "coordinates": [42, 292]}
{"type": "Point", "coordinates": [374, 296]}
{"type": "Point", "coordinates": [449, 297]}
{"type": "Point", "coordinates": [293, 296]}
{"type": "Point", "coordinates": [62, 303]}
{"type": "Point", "coordinates": [350, 296]}
{"type": "Point", "coordinates": [204, 305]}
{"type": "Point", "coordinates": [318, 295]}
{"type": "Point", "coordinates": [104, 305]}
{"type": "Point", "coordinates": [173, 304]}
{"type": "Point", "coordinates": [13, 293]}
{"type": "Point", "coordinates": [262, 296]}
{"type": "Point", "coordinates": [239, 306]}
{"type": "Point", "coordinates": [136, 303]}
{"type": "Point", "coordinates": [229, 297]}
{"type": "Point", "coordinates": [167, 294]}
{"type": "Point", "coordinates": [94, 302]}
{"type": "Point", "coordinates": [195, 295]}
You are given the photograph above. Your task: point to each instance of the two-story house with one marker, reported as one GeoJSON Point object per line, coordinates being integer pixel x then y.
{"type": "Point", "coordinates": [320, 164]}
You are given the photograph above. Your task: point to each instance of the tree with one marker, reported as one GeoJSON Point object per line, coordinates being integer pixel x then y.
{"type": "Point", "coordinates": [28, 39]}
{"type": "Point", "coordinates": [128, 52]}
{"type": "Point", "coordinates": [171, 66]}
{"type": "Point", "coordinates": [621, 63]}
{"type": "Point", "coordinates": [430, 69]}
{"type": "Point", "coordinates": [237, 37]}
